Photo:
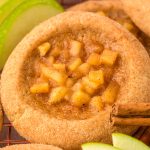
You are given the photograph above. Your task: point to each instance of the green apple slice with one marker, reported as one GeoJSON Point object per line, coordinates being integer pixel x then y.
{"type": "Point", "coordinates": [98, 146]}
{"type": "Point", "coordinates": [2, 2]}
{"type": "Point", "coordinates": [126, 142]}
{"type": "Point", "coordinates": [21, 21]}
{"type": "Point", "coordinates": [6, 6]}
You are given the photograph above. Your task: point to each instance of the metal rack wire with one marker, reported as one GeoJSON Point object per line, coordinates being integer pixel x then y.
{"type": "Point", "coordinates": [9, 135]}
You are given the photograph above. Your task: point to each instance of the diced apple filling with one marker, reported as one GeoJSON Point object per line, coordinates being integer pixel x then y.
{"type": "Point", "coordinates": [68, 96]}
{"type": "Point", "coordinates": [87, 82]}
{"type": "Point", "coordinates": [94, 59]}
{"type": "Point", "coordinates": [77, 86]}
{"type": "Point", "coordinates": [40, 88]}
{"type": "Point", "coordinates": [55, 52]}
{"type": "Point", "coordinates": [76, 79]}
{"type": "Point", "coordinates": [96, 103]}
{"type": "Point", "coordinates": [79, 98]}
{"type": "Point", "coordinates": [76, 48]}
{"type": "Point", "coordinates": [57, 95]}
{"type": "Point", "coordinates": [89, 86]}
{"type": "Point", "coordinates": [45, 71]}
{"type": "Point", "coordinates": [89, 89]}
{"type": "Point", "coordinates": [70, 82]}
{"type": "Point", "coordinates": [75, 64]}
{"type": "Point", "coordinates": [44, 48]}
{"type": "Point", "coordinates": [58, 77]}
{"type": "Point", "coordinates": [110, 94]}
{"type": "Point", "coordinates": [109, 57]}
{"type": "Point", "coordinates": [59, 66]}
{"type": "Point", "coordinates": [97, 76]}
{"type": "Point", "coordinates": [84, 68]}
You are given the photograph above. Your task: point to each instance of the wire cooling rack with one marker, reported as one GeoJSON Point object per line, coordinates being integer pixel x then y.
{"type": "Point", "coordinates": [9, 135]}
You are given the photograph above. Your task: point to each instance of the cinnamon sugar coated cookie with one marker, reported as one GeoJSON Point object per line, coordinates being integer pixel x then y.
{"type": "Point", "coordinates": [126, 13]}
{"type": "Point", "coordinates": [30, 147]}
{"type": "Point", "coordinates": [65, 75]}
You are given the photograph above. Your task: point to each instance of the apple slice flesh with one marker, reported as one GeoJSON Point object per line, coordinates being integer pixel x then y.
{"type": "Point", "coordinates": [2, 2]}
{"type": "Point", "coordinates": [21, 21]}
{"type": "Point", "coordinates": [98, 146]}
{"type": "Point", "coordinates": [125, 142]}
{"type": "Point", "coordinates": [6, 7]}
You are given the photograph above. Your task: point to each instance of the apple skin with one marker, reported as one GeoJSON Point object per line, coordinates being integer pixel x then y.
{"type": "Point", "coordinates": [7, 7]}
{"type": "Point", "coordinates": [22, 19]}
{"type": "Point", "coordinates": [126, 142]}
{"type": "Point", "coordinates": [98, 146]}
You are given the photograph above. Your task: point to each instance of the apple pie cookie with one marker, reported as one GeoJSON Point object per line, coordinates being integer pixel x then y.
{"type": "Point", "coordinates": [139, 11]}
{"type": "Point", "coordinates": [115, 10]}
{"type": "Point", "coordinates": [30, 147]}
{"type": "Point", "coordinates": [65, 75]}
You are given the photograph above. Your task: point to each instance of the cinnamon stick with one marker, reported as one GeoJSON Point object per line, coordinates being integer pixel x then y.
{"type": "Point", "coordinates": [135, 114]}
{"type": "Point", "coordinates": [131, 109]}
{"type": "Point", "coordinates": [131, 121]}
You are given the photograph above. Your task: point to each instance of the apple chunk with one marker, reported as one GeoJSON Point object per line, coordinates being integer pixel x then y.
{"type": "Point", "coordinates": [125, 142]}
{"type": "Point", "coordinates": [21, 21]}
{"type": "Point", "coordinates": [98, 146]}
